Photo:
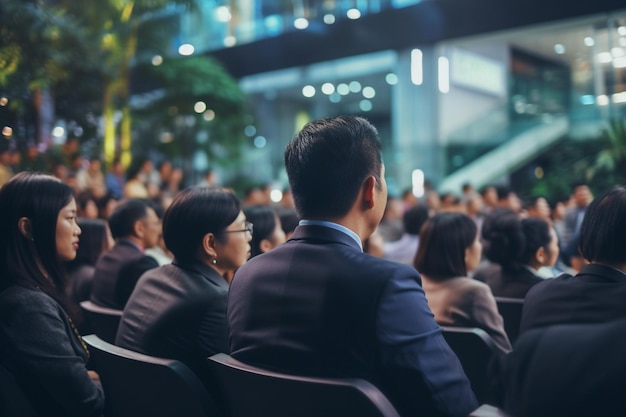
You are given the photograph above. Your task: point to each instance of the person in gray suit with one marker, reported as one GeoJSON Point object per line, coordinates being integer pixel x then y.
{"type": "Point", "coordinates": [178, 311]}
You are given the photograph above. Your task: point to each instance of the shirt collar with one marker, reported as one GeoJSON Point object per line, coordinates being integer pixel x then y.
{"type": "Point", "coordinates": [335, 226]}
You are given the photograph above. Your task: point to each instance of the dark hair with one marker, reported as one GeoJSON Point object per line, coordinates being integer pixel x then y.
{"type": "Point", "coordinates": [39, 198]}
{"type": "Point", "coordinates": [443, 241]}
{"type": "Point", "coordinates": [328, 161]}
{"type": "Point", "coordinates": [264, 219]}
{"type": "Point", "coordinates": [503, 237]}
{"type": "Point", "coordinates": [413, 219]}
{"type": "Point", "coordinates": [536, 235]}
{"type": "Point", "coordinates": [126, 213]}
{"type": "Point", "coordinates": [511, 242]}
{"type": "Point", "coordinates": [288, 219]}
{"type": "Point", "coordinates": [194, 212]}
{"type": "Point", "coordinates": [603, 227]}
{"type": "Point", "coordinates": [503, 191]}
{"type": "Point", "coordinates": [93, 241]}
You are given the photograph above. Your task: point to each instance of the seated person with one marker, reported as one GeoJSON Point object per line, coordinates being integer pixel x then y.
{"type": "Point", "coordinates": [566, 370]}
{"type": "Point", "coordinates": [39, 343]}
{"type": "Point", "coordinates": [597, 292]}
{"type": "Point", "coordinates": [135, 226]}
{"type": "Point", "coordinates": [268, 231]}
{"type": "Point", "coordinates": [403, 250]}
{"type": "Point", "coordinates": [318, 305]}
{"type": "Point", "coordinates": [179, 310]}
{"type": "Point", "coordinates": [517, 249]}
{"type": "Point", "coordinates": [449, 248]}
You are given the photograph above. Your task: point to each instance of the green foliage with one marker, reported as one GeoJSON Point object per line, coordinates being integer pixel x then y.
{"type": "Point", "coordinates": [598, 161]}
{"type": "Point", "coordinates": [182, 83]}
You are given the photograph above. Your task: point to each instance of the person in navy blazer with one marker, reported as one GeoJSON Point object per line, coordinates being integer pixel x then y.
{"type": "Point", "coordinates": [317, 305]}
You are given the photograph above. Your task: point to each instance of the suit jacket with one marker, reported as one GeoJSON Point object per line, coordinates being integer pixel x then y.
{"type": "Point", "coordinates": [177, 311]}
{"type": "Point", "coordinates": [507, 282]}
{"type": "Point", "coordinates": [317, 305]}
{"type": "Point", "coordinates": [117, 272]}
{"type": "Point", "coordinates": [466, 302]}
{"type": "Point", "coordinates": [574, 370]}
{"type": "Point", "coordinates": [596, 294]}
{"type": "Point", "coordinates": [41, 349]}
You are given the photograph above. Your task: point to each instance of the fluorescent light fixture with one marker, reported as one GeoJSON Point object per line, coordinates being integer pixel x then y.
{"type": "Point", "coordinates": [186, 49]}
{"type": "Point", "coordinates": [417, 183]}
{"type": "Point", "coordinates": [417, 71]}
{"type": "Point", "coordinates": [301, 23]}
{"type": "Point", "coordinates": [602, 100]}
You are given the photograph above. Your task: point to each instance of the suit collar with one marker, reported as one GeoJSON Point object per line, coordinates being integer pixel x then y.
{"type": "Point", "coordinates": [204, 270]}
{"type": "Point", "coordinates": [602, 272]}
{"type": "Point", "coordinates": [323, 234]}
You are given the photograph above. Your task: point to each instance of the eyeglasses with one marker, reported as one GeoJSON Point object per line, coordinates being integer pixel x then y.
{"type": "Point", "coordinates": [249, 228]}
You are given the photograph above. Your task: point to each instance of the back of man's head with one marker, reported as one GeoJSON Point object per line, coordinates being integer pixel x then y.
{"type": "Point", "coordinates": [328, 161]}
{"type": "Point", "coordinates": [123, 218]}
{"type": "Point", "coordinates": [414, 218]}
{"type": "Point", "coordinates": [604, 227]}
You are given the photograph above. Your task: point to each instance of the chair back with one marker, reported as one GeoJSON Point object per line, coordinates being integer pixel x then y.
{"type": "Point", "coordinates": [102, 321]}
{"type": "Point", "coordinates": [140, 385]}
{"type": "Point", "coordinates": [13, 400]}
{"type": "Point", "coordinates": [248, 391]}
{"type": "Point", "coordinates": [475, 349]}
{"type": "Point", "coordinates": [511, 311]}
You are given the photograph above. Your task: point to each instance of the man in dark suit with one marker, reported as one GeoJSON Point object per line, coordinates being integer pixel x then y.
{"type": "Point", "coordinates": [597, 293]}
{"type": "Point", "coordinates": [135, 227]}
{"type": "Point", "coordinates": [574, 370]}
{"type": "Point", "coordinates": [317, 305]}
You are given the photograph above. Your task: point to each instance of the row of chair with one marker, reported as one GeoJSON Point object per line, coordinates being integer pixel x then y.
{"type": "Point", "coordinates": [473, 346]}
{"type": "Point", "coordinates": [136, 384]}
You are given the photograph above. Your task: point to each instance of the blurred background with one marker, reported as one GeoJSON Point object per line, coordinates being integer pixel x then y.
{"type": "Point", "coordinates": [531, 94]}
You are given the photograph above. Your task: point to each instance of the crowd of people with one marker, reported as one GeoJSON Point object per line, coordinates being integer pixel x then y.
{"type": "Point", "coordinates": [356, 284]}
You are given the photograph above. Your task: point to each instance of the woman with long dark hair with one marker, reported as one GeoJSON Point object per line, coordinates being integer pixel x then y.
{"type": "Point", "coordinates": [39, 343]}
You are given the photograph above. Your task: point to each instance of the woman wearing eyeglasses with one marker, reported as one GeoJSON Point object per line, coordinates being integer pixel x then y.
{"type": "Point", "coordinates": [178, 311]}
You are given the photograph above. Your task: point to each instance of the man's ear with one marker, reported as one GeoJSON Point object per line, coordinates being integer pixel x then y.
{"type": "Point", "coordinates": [540, 255]}
{"type": "Point", "coordinates": [369, 191]}
{"type": "Point", "coordinates": [139, 228]}
{"type": "Point", "coordinates": [25, 227]}
{"type": "Point", "coordinates": [265, 245]}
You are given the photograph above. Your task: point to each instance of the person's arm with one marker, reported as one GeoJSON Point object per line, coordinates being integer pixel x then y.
{"type": "Point", "coordinates": [213, 331]}
{"type": "Point", "coordinates": [39, 339]}
{"type": "Point", "coordinates": [129, 275]}
{"type": "Point", "coordinates": [486, 316]}
{"type": "Point", "coordinates": [421, 373]}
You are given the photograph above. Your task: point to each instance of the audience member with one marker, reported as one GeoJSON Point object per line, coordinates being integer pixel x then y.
{"type": "Point", "coordinates": [390, 227]}
{"type": "Point", "coordinates": [268, 232]}
{"type": "Point", "coordinates": [574, 215]}
{"type": "Point", "coordinates": [115, 180]}
{"type": "Point", "coordinates": [95, 239]}
{"type": "Point", "coordinates": [507, 198]}
{"type": "Point", "coordinates": [135, 226]}
{"type": "Point", "coordinates": [317, 305]}
{"type": "Point", "coordinates": [403, 250]}
{"type": "Point", "coordinates": [39, 343]}
{"type": "Point", "coordinates": [597, 293]}
{"type": "Point", "coordinates": [517, 248]}
{"type": "Point", "coordinates": [449, 248]}
{"type": "Point", "coordinates": [490, 199]}
{"type": "Point", "coordinates": [288, 220]}
{"type": "Point", "coordinates": [179, 310]}
{"type": "Point", "coordinates": [135, 186]}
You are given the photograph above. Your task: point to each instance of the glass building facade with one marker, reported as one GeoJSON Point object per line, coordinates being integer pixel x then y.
{"type": "Point", "coordinates": [457, 93]}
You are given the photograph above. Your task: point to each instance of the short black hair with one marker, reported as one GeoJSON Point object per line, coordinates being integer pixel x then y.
{"type": "Point", "coordinates": [194, 212]}
{"type": "Point", "coordinates": [126, 213]}
{"type": "Point", "coordinates": [328, 161]}
{"type": "Point", "coordinates": [413, 219]}
{"type": "Point", "coordinates": [443, 241]}
{"type": "Point", "coordinates": [264, 219]}
{"type": "Point", "coordinates": [604, 227]}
